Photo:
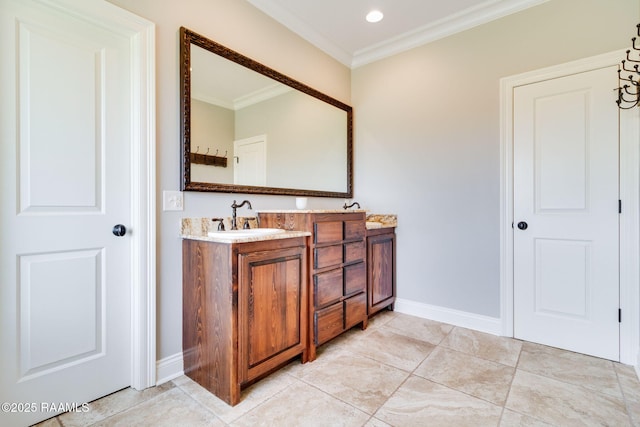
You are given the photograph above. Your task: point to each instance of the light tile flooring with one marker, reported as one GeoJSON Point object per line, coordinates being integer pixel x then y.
{"type": "Point", "coordinates": [401, 371]}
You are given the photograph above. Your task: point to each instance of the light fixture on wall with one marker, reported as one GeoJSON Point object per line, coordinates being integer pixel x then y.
{"type": "Point", "coordinates": [374, 16]}
{"type": "Point", "coordinates": [629, 86]}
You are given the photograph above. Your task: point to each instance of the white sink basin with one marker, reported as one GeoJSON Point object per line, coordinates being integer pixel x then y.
{"type": "Point", "coordinates": [241, 234]}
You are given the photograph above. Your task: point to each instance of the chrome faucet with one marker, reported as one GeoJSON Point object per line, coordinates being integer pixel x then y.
{"type": "Point", "coordinates": [351, 205]}
{"type": "Point", "coordinates": [234, 206]}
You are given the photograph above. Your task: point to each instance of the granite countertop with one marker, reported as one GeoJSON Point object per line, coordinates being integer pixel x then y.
{"type": "Point", "coordinates": [381, 221]}
{"type": "Point", "coordinates": [373, 220]}
{"type": "Point", "coordinates": [309, 210]}
{"type": "Point", "coordinates": [198, 229]}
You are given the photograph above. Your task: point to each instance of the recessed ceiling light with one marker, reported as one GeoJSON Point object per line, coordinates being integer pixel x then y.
{"type": "Point", "coordinates": [375, 16]}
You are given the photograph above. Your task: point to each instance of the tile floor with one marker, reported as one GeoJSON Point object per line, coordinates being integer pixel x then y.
{"type": "Point", "coordinates": [401, 371]}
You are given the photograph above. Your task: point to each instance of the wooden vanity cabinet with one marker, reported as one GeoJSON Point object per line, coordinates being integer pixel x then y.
{"type": "Point", "coordinates": [244, 311]}
{"type": "Point", "coordinates": [337, 269]}
{"type": "Point", "coordinates": [381, 269]}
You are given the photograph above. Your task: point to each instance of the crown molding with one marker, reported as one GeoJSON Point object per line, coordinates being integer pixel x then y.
{"type": "Point", "coordinates": [260, 95]}
{"type": "Point", "coordinates": [244, 100]}
{"type": "Point", "coordinates": [464, 20]}
{"type": "Point", "coordinates": [303, 29]}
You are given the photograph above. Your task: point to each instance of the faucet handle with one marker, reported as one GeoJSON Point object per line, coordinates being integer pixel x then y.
{"type": "Point", "coordinates": [246, 225]}
{"type": "Point", "coordinates": [220, 223]}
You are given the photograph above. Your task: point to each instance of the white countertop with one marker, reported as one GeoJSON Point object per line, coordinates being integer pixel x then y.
{"type": "Point", "coordinates": [284, 235]}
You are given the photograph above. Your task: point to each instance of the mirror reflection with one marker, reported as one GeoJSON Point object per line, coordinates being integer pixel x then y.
{"type": "Point", "coordinates": [250, 132]}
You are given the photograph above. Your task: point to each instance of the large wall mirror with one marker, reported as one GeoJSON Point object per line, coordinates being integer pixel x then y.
{"type": "Point", "coordinates": [247, 128]}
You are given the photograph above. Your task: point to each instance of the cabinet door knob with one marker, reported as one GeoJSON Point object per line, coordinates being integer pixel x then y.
{"type": "Point", "coordinates": [523, 225]}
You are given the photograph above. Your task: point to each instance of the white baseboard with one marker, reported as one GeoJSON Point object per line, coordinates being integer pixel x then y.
{"type": "Point", "coordinates": [169, 368]}
{"type": "Point", "coordinates": [490, 325]}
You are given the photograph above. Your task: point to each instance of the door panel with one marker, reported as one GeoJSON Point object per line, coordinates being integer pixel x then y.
{"type": "Point", "coordinates": [566, 278]}
{"type": "Point", "coordinates": [75, 280]}
{"type": "Point", "coordinates": [250, 161]}
{"type": "Point", "coordinates": [60, 110]}
{"type": "Point", "coordinates": [561, 279]}
{"type": "Point", "coordinates": [560, 168]}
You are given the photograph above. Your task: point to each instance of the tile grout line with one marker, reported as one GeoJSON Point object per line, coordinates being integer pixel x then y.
{"type": "Point", "coordinates": [409, 373]}
{"type": "Point", "coordinates": [627, 404]}
{"type": "Point", "coordinates": [200, 404]}
{"type": "Point", "coordinates": [125, 409]}
{"type": "Point", "coordinates": [580, 385]}
{"type": "Point", "coordinates": [515, 371]}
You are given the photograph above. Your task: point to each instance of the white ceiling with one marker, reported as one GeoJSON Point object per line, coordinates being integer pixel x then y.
{"type": "Point", "coordinates": [339, 28]}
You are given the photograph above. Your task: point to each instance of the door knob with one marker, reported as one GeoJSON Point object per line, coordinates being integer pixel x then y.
{"type": "Point", "coordinates": [119, 230]}
{"type": "Point", "coordinates": [522, 225]}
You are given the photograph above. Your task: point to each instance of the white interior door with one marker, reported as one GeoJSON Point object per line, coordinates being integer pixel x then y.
{"type": "Point", "coordinates": [250, 161]}
{"type": "Point", "coordinates": [65, 298]}
{"type": "Point", "coordinates": [566, 260]}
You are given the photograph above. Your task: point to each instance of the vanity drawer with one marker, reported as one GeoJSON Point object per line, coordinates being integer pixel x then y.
{"type": "Point", "coordinates": [355, 251]}
{"type": "Point", "coordinates": [355, 278]}
{"type": "Point", "coordinates": [327, 256]}
{"type": "Point", "coordinates": [355, 309]}
{"type": "Point", "coordinates": [329, 323]}
{"type": "Point", "coordinates": [327, 232]}
{"type": "Point", "coordinates": [327, 287]}
{"type": "Point", "coordinates": [354, 229]}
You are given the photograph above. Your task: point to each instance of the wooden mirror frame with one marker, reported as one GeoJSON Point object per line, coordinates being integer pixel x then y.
{"type": "Point", "coordinates": [187, 37]}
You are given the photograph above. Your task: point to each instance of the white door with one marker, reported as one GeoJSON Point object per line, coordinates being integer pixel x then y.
{"type": "Point", "coordinates": [66, 177]}
{"type": "Point", "coordinates": [566, 275]}
{"type": "Point", "coordinates": [250, 161]}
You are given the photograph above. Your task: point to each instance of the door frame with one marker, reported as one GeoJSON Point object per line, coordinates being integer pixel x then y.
{"type": "Point", "coordinates": [141, 34]}
{"type": "Point", "coordinates": [629, 178]}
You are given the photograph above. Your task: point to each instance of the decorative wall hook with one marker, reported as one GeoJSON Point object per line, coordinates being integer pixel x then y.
{"type": "Point", "coordinates": [629, 86]}
{"type": "Point", "coordinates": [208, 159]}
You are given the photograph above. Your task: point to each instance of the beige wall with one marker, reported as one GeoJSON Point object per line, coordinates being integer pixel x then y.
{"type": "Point", "coordinates": [212, 131]}
{"type": "Point", "coordinates": [307, 149]}
{"type": "Point", "coordinates": [427, 135]}
{"type": "Point", "coordinates": [239, 26]}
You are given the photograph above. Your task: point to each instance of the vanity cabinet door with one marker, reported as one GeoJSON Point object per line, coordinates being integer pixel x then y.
{"type": "Point", "coordinates": [381, 274]}
{"type": "Point", "coordinates": [327, 287]}
{"type": "Point", "coordinates": [329, 323]}
{"type": "Point", "coordinates": [354, 251]}
{"type": "Point", "coordinates": [327, 232]}
{"type": "Point", "coordinates": [272, 309]}
{"type": "Point", "coordinates": [355, 279]}
{"type": "Point", "coordinates": [355, 308]}
{"type": "Point", "coordinates": [354, 229]}
{"type": "Point", "coordinates": [327, 256]}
